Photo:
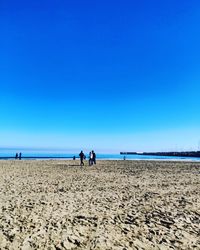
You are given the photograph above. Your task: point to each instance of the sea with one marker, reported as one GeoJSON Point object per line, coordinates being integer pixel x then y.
{"type": "Point", "coordinates": [9, 153]}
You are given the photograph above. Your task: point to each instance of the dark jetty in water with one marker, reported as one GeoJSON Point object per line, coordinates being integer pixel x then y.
{"type": "Point", "coordinates": [180, 154]}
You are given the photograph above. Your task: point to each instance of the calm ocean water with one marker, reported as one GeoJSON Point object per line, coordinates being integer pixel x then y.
{"type": "Point", "coordinates": [4, 152]}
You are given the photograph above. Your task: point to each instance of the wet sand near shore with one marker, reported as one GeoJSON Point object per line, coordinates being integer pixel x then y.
{"type": "Point", "coordinates": [52, 204]}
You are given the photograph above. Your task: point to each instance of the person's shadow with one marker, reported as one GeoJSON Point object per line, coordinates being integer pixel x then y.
{"type": "Point", "coordinates": [67, 165]}
{"type": "Point", "coordinates": [73, 165]}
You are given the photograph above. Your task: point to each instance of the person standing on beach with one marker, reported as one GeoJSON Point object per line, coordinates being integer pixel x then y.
{"type": "Point", "coordinates": [20, 156]}
{"type": "Point", "coordinates": [81, 158]}
{"type": "Point", "coordinates": [90, 158]}
{"type": "Point", "coordinates": [16, 156]}
{"type": "Point", "coordinates": [93, 157]}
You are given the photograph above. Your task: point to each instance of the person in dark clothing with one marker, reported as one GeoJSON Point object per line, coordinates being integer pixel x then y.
{"type": "Point", "coordinates": [81, 158]}
{"type": "Point", "coordinates": [90, 158]}
{"type": "Point", "coordinates": [93, 157]}
{"type": "Point", "coordinates": [20, 156]}
{"type": "Point", "coordinates": [16, 156]}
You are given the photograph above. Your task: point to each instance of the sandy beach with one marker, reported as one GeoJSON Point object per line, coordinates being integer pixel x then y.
{"type": "Point", "coordinates": [114, 205]}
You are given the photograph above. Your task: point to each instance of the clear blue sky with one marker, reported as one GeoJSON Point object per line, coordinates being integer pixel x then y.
{"type": "Point", "coordinates": [108, 75]}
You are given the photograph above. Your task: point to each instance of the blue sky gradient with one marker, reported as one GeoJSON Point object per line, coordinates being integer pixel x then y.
{"type": "Point", "coordinates": [108, 75]}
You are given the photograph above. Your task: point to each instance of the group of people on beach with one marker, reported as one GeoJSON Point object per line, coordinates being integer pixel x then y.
{"type": "Point", "coordinates": [18, 156]}
{"type": "Point", "coordinates": [92, 158]}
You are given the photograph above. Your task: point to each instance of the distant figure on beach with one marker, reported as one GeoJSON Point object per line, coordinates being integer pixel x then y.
{"type": "Point", "coordinates": [16, 156]}
{"type": "Point", "coordinates": [20, 156]}
{"type": "Point", "coordinates": [81, 158]}
{"type": "Point", "coordinates": [74, 158]}
{"type": "Point", "coordinates": [124, 158]}
{"type": "Point", "coordinates": [90, 158]}
{"type": "Point", "coordinates": [94, 157]}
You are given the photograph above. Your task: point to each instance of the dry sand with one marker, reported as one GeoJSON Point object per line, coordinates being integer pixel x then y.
{"type": "Point", "coordinates": [114, 205]}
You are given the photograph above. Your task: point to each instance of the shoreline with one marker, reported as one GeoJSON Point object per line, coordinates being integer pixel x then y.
{"type": "Point", "coordinates": [101, 159]}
